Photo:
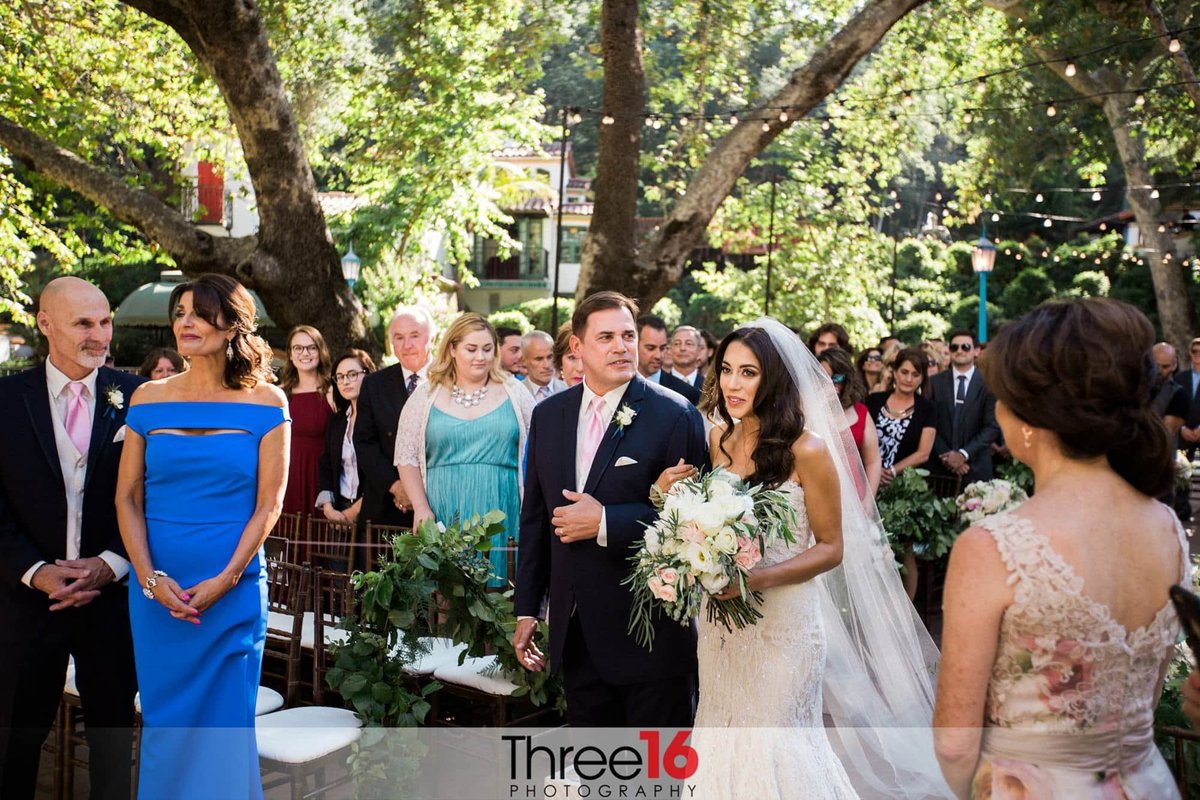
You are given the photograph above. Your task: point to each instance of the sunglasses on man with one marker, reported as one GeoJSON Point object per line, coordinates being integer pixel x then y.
{"type": "Point", "coordinates": [954, 348]}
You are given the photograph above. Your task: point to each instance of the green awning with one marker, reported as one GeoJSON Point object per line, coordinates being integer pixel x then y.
{"type": "Point", "coordinates": [146, 306]}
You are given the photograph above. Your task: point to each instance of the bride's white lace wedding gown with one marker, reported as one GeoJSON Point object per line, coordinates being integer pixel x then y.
{"type": "Point", "coordinates": [765, 682]}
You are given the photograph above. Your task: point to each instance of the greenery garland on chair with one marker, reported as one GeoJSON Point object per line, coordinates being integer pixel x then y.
{"type": "Point", "coordinates": [434, 580]}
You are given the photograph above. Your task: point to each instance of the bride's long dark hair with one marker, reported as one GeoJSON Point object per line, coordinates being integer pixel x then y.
{"type": "Point", "coordinates": [776, 405]}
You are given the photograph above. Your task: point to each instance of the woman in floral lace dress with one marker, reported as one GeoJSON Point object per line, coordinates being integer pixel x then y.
{"type": "Point", "coordinates": [1058, 629]}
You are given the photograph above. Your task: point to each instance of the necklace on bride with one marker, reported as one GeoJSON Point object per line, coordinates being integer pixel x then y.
{"type": "Point", "coordinates": [468, 399]}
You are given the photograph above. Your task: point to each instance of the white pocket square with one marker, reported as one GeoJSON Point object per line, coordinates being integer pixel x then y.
{"type": "Point", "coordinates": [624, 461]}
{"type": "Point", "coordinates": [120, 437]}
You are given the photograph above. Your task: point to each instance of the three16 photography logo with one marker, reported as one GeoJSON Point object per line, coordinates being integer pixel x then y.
{"type": "Point", "coordinates": [648, 763]}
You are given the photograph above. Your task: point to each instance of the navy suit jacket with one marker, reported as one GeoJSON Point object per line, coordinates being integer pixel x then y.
{"type": "Point", "coordinates": [33, 505]}
{"type": "Point", "coordinates": [689, 392]}
{"type": "Point", "coordinates": [582, 577]}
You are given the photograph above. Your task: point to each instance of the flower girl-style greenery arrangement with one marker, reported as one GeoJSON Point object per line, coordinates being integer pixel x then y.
{"type": "Point", "coordinates": [710, 532]}
{"type": "Point", "coordinates": [912, 513]}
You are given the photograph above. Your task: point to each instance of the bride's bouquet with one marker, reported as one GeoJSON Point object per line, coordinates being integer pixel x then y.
{"type": "Point", "coordinates": [710, 532]}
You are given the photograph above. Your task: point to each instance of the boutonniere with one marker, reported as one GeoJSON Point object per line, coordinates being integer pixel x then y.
{"type": "Point", "coordinates": [623, 418]}
{"type": "Point", "coordinates": [115, 399]}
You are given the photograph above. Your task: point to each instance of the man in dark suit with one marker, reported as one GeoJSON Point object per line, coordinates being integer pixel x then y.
{"type": "Point", "coordinates": [1189, 379]}
{"type": "Point", "coordinates": [965, 415]}
{"type": "Point", "coordinates": [687, 356]}
{"type": "Point", "coordinates": [380, 402]}
{"type": "Point", "coordinates": [63, 587]}
{"type": "Point", "coordinates": [594, 452]}
{"type": "Point", "coordinates": [652, 346]}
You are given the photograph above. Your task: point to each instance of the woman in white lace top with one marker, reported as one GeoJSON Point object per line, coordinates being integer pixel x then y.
{"type": "Point", "coordinates": [1058, 629]}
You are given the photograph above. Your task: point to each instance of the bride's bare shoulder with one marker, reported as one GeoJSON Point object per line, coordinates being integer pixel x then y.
{"type": "Point", "coordinates": [810, 448]}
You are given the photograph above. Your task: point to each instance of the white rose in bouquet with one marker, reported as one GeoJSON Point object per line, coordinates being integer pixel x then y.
{"type": "Point", "coordinates": [653, 541]}
{"type": "Point", "coordinates": [714, 583]}
{"type": "Point", "coordinates": [725, 541]}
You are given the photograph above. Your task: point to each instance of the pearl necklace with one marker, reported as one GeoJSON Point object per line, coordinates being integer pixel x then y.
{"type": "Point", "coordinates": [468, 399]}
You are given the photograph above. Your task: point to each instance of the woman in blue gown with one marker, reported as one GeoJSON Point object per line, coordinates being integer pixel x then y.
{"type": "Point", "coordinates": [200, 486]}
{"type": "Point", "coordinates": [460, 443]}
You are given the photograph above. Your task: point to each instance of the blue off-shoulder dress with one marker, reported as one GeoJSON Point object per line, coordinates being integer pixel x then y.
{"type": "Point", "coordinates": [199, 683]}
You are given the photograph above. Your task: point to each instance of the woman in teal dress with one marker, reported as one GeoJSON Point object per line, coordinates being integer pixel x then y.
{"type": "Point", "coordinates": [460, 444]}
{"type": "Point", "coordinates": [200, 486]}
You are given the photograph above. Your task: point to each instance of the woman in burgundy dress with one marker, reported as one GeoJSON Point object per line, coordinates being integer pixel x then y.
{"type": "Point", "coordinates": [306, 380]}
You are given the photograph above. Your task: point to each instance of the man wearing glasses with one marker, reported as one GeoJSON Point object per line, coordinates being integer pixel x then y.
{"type": "Point", "coordinates": [965, 415]}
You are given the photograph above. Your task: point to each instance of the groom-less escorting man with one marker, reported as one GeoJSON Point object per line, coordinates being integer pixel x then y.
{"type": "Point", "coordinates": [587, 493]}
{"type": "Point", "coordinates": [61, 557]}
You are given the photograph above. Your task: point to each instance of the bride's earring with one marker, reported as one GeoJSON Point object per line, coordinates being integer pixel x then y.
{"type": "Point", "coordinates": [1027, 433]}
{"type": "Point", "coordinates": [229, 350]}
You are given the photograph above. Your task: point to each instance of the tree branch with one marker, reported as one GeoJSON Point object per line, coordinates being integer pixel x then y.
{"type": "Point", "coordinates": [1181, 58]}
{"type": "Point", "coordinates": [808, 85]}
{"type": "Point", "coordinates": [183, 241]}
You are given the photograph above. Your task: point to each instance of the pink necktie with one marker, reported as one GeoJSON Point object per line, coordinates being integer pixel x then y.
{"type": "Point", "coordinates": [594, 433]}
{"type": "Point", "coordinates": [79, 421]}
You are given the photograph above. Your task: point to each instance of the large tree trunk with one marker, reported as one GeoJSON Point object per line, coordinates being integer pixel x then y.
{"type": "Point", "coordinates": [1175, 310]}
{"type": "Point", "coordinates": [292, 262]}
{"type": "Point", "coordinates": [661, 262]}
{"type": "Point", "coordinates": [611, 243]}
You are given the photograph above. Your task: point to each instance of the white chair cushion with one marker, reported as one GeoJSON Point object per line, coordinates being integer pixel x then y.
{"type": "Point", "coordinates": [477, 673]}
{"type": "Point", "coordinates": [308, 629]}
{"type": "Point", "coordinates": [268, 700]}
{"type": "Point", "coordinates": [441, 652]}
{"type": "Point", "coordinates": [303, 735]}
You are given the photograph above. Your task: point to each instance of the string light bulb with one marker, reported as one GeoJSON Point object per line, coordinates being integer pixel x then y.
{"type": "Point", "coordinates": [1154, 194]}
{"type": "Point", "coordinates": [995, 217]}
{"type": "Point", "coordinates": [683, 121]}
{"type": "Point", "coordinates": [1040, 198]}
{"type": "Point", "coordinates": [783, 117]}
{"type": "Point", "coordinates": [1174, 45]}
{"type": "Point", "coordinates": [981, 86]}
{"type": "Point", "coordinates": [968, 117]}
{"type": "Point", "coordinates": [1103, 226]}
{"type": "Point", "coordinates": [987, 198]}
{"type": "Point", "coordinates": [907, 99]}
{"type": "Point", "coordinates": [1051, 110]}
{"type": "Point", "coordinates": [733, 119]}
{"type": "Point", "coordinates": [649, 121]}
{"type": "Point", "coordinates": [607, 120]}
{"type": "Point", "coordinates": [1162, 228]}
{"type": "Point", "coordinates": [766, 127]}
{"type": "Point", "coordinates": [1140, 100]}
{"type": "Point", "coordinates": [825, 125]}
{"type": "Point", "coordinates": [1095, 197]}
{"type": "Point", "coordinates": [1070, 70]}
{"type": "Point", "coordinates": [1047, 224]}
{"type": "Point", "coordinates": [938, 197]}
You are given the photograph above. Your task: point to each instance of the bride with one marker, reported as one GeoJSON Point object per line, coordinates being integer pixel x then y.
{"type": "Point", "coordinates": [839, 641]}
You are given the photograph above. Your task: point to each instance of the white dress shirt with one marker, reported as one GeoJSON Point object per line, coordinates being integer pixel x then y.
{"type": "Point", "coordinates": [689, 379]}
{"type": "Point", "coordinates": [611, 400]}
{"type": "Point", "coordinates": [969, 374]}
{"type": "Point", "coordinates": [73, 465]}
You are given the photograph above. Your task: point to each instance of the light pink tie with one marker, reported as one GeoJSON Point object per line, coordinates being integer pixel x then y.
{"type": "Point", "coordinates": [594, 433]}
{"type": "Point", "coordinates": [79, 421]}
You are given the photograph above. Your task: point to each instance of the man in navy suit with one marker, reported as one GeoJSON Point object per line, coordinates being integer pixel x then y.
{"type": "Point", "coordinates": [652, 346]}
{"type": "Point", "coordinates": [62, 565]}
{"type": "Point", "coordinates": [594, 452]}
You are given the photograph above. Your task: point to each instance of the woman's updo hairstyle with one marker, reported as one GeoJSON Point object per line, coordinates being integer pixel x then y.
{"type": "Point", "coordinates": [226, 305]}
{"type": "Point", "coordinates": [1083, 369]}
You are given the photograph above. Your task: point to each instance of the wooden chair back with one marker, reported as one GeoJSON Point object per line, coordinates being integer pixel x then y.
{"type": "Point", "coordinates": [334, 600]}
{"type": "Point", "coordinates": [287, 602]}
{"type": "Point", "coordinates": [331, 545]}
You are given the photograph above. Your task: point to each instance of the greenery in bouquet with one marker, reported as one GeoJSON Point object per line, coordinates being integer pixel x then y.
{"type": "Point", "coordinates": [982, 499]}
{"type": "Point", "coordinates": [912, 514]}
{"type": "Point", "coordinates": [710, 532]}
